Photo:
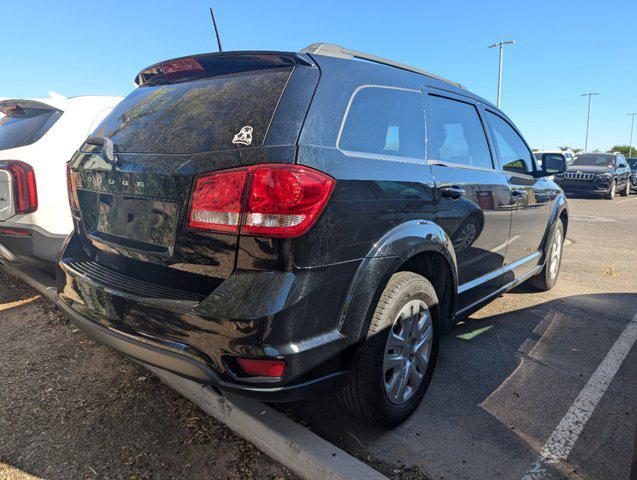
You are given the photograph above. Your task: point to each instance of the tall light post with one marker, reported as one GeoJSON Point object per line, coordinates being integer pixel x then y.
{"type": "Point", "coordinates": [632, 124]}
{"type": "Point", "coordinates": [501, 45]}
{"type": "Point", "coordinates": [588, 117]}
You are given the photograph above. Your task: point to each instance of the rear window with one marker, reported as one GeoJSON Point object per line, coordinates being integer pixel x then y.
{"type": "Point", "coordinates": [25, 126]}
{"type": "Point", "coordinates": [212, 113]}
{"type": "Point", "coordinates": [385, 121]}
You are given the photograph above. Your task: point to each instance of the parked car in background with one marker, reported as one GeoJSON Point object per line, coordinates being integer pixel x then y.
{"type": "Point", "coordinates": [632, 163]}
{"type": "Point", "coordinates": [308, 241]}
{"type": "Point", "coordinates": [37, 138]}
{"type": "Point", "coordinates": [597, 174]}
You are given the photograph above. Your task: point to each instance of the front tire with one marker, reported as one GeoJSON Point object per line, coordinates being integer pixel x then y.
{"type": "Point", "coordinates": [547, 278]}
{"type": "Point", "coordinates": [398, 357]}
{"type": "Point", "coordinates": [627, 188]}
{"type": "Point", "coordinates": [611, 190]}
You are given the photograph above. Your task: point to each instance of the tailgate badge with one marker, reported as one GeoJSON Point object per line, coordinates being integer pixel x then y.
{"type": "Point", "coordinates": [244, 136]}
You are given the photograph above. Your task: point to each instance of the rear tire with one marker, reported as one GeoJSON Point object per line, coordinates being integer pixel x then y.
{"type": "Point", "coordinates": [547, 278]}
{"type": "Point", "coordinates": [386, 363]}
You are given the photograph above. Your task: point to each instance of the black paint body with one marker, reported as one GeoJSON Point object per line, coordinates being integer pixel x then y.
{"type": "Point", "coordinates": [173, 293]}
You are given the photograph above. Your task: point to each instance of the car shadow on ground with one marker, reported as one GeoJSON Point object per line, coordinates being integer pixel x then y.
{"type": "Point", "coordinates": [501, 385]}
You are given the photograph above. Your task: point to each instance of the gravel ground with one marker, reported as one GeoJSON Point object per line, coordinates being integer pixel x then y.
{"type": "Point", "coordinates": [72, 409]}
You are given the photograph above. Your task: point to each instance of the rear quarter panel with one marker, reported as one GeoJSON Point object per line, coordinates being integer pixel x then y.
{"type": "Point", "coordinates": [372, 195]}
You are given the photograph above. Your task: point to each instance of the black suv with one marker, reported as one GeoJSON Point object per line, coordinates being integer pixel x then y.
{"type": "Point", "coordinates": [281, 224]}
{"type": "Point", "coordinates": [597, 174]}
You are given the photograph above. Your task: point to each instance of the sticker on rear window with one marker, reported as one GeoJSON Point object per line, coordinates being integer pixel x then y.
{"type": "Point", "coordinates": [244, 136]}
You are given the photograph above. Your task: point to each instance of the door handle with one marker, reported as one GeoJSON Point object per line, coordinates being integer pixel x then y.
{"type": "Point", "coordinates": [518, 193]}
{"type": "Point", "coordinates": [454, 192]}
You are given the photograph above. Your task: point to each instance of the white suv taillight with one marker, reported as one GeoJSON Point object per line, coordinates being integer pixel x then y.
{"type": "Point", "coordinates": [25, 194]}
{"type": "Point", "coordinates": [276, 200]}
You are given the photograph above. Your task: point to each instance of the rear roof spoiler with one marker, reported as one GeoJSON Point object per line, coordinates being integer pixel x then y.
{"type": "Point", "coordinates": [209, 64]}
{"type": "Point", "coordinates": [331, 50]}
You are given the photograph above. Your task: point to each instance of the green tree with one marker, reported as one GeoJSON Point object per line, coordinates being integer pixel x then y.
{"type": "Point", "coordinates": [566, 147]}
{"type": "Point", "coordinates": [623, 149]}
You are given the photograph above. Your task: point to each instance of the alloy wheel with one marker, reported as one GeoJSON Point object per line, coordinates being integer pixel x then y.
{"type": "Point", "coordinates": [556, 252]}
{"type": "Point", "coordinates": [407, 351]}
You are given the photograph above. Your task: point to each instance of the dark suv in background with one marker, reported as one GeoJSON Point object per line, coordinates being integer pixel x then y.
{"type": "Point", "coordinates": [632, 163]}
{"type": "Point", "coordinates": [281, 224]}
{"type": "Point", "coordinates": [597, 174]}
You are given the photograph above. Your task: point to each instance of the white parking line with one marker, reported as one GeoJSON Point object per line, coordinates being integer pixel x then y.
{"type": "Point", "coordinates": [563, 438]}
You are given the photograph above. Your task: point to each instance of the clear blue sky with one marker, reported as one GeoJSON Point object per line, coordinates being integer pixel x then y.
{"type": "Point", "coordinates": [564, 48]}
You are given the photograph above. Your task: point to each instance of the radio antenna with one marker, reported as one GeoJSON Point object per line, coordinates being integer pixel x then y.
{"type": "Point", "coordinates": [212, 14]}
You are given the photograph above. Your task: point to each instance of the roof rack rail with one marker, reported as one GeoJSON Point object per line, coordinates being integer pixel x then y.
{"type": "Point", "coordinates": [332, 50]}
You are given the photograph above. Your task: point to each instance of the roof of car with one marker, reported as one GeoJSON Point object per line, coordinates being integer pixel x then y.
{"type": "Point", "coordinates": [332, 50]}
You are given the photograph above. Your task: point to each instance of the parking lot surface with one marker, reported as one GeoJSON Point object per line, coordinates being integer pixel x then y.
{"type": "Point", "coordinates": [507, 377]}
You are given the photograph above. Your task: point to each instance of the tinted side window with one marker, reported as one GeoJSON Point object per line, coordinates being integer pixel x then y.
{"type": "Point", "coordinates": [456, 134]}
{"type": "Point", "coordinates": [512, 151]}
{"type": "Point", "coordinates": [385, 121]}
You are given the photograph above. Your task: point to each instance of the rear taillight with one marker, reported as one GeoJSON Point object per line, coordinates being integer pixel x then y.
{"type": "Point", "coordinates": [269, 200]}
{"type": "Point", "coordinates": [262, 368]}
{"type": "Point", "coordinates": [15, 232]}
{"type": "Point", "coordinates": [71, 187]}
{"type": "Point", "coordinates": [25, 194]}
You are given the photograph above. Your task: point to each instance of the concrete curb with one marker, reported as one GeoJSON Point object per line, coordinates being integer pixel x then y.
{"type": "Point", "coordinates": [35, 279]}
{"type": "Point", "coordinates": [305, 453]}
{"type": "Point", "coordinates": [292, 445]}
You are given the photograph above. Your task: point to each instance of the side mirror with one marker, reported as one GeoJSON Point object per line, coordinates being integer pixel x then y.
{"type": "Point", "coordinates": [553, 164]}
{"type": "Point", "coordinates": [622, 165]}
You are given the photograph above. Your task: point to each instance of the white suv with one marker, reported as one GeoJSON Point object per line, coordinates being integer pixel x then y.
{"type": "Point", "coordinates": [37, 137]}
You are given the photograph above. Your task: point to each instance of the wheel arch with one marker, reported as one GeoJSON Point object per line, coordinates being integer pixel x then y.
{"type": "Point", "coordinates": [559, 211]}
{"type": "Point", "coordinates": [420, 246]}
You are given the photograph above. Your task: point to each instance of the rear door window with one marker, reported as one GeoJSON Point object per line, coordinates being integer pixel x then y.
{"type": "Point", "coordinates": [20, 127]}
{"type": "Point", "coordinates": [384, 121]}
{"type": "Point", "coordinates": [212, 113]}
{"type": "Point", "coordinates": [456, 134]}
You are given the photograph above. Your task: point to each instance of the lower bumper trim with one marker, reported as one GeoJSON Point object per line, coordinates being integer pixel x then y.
{"type": "Point", "coordinates": [144, 352]}
{"type": "Point", "coordinates": [192, 369]}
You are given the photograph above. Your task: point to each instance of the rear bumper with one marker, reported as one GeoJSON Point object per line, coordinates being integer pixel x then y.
{"type": "Point", "coordinates": [292, 316]}
{"type": "Point", "coordinates": [38, 245]}
{"type": "Point", "coordinates": [162, 356]}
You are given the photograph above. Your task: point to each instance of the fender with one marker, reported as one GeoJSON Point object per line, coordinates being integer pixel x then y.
{"type": "Point", "coordinates": [558, 206]}
{"type": "Point", "coordinates": [395, 247]}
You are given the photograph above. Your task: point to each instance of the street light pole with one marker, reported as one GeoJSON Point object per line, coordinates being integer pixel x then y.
{"type": "Point", "coordinates": [588, 117]}
{"type": "Point", "coordinates": [501, 45]}
{"type": "Point", "coordinates": [632, 124]}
